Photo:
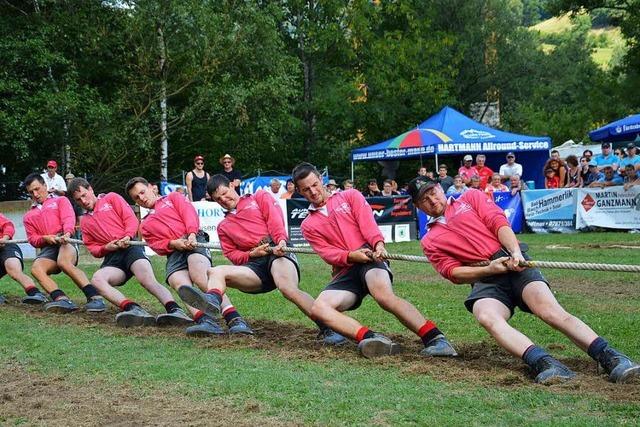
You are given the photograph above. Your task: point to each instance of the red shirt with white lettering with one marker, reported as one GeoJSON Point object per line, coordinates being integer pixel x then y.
{"type": "Point", "coordinates": [54, 216]}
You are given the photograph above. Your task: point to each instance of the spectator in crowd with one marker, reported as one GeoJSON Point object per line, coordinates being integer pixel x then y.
{"type": "Point", "coordinates": [404, 190]}
{"type": "Point", "coordinates": [422, 171]}
{"type": "Point", "coordinates": [516, 184]}
{"type": "Point", "coordinates": [584, 169]}
{"type": "Point", "coordinates": [620, 154]}
{"type": "Point", "coordinates": [466, 171]}
{"type": "Point", "coordinates": [588, 154]}
{"type": "Point", "coordinates": [68, 178]}
{"type": "Point", "coordinates": [458, 186]}
{"type": "Point", "coordinates": [76, 208]}
{"type": "Point", "coordinates": [430, 175]}
{"type": "Point", "coordinates": [233, 175]}
{"type": "Point", "coordinates": [275, 188]}
{"type": "Point", "coordinates": [155, 189]}
{"type": "Point", "coordinates": [394, 186]}
{"type": "Point", "coordinates": [332, 187]}
{"type": "Point", "coordinates": [445, 180]}
{"type": "Point", "coordinates": [347, 184]}
{"type": "Point", "coordinates": [559, 170]}
{"type": "Point", "coordinates": [495, 185]}
{"type": "Point", "coordinates": [54, 182]}
{"type": "Point", "coordinates": [551, 179]}
{"type": "Point", "coordinates": [372, 189]}
{"type": "Point", "coordinates": [290, 190]}
{"type": "Point", "coordinates": [555, 155]}
{"type": "Point", "coordinates": [196, 181]}
{"type": "Point", "coordinates": [593, 175]}
{"type": "Point", "coordinates": [475, 182]}
{"type": "Point", "coordinates": [181, 190]}
{"type": "Point", "coordinates": [632, 157]}
{"type": "Point", "coordinates": [510, 168]}
{"type": "Point", "coordinates": [609, 179]}
{"type": "Point", "coordinates": [606, 158]}
{"type": "Point", "coordinates": [387, 189]}
{"type": "Point", "coordinates": [574, 176]}
{"type": "Point", "coordinates": [484, 172]}
{"type": "Point", "coordinates": [631, 177]}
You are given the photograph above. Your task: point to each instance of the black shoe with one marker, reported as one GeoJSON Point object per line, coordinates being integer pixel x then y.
{"type": "Point", "coordinates": [205, 326]}
{"type": "Point", "coordinates": [619, 367]}
{"type": "Point", "coordinates": [550, 371]}
{"type": "Point", "coordinates": [193, 296]}
{"type": "Point", "coordinates": [377, 346]}
{"type": "Point", "coordinates": [136, 316]}
{"type": "Point", "coordinates": [175, 318]}
{"type": "Point", "coordinates": [239, 326]}
{"type": "Point", "coordinates": [35, 299]}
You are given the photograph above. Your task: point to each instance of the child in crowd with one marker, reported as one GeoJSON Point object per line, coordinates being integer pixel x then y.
{"type": "Point", "coordinates": [551, 179]}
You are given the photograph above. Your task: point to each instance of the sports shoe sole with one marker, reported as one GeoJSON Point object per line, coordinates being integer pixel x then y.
{"type": "Point", "coordinates": [629, 374]}
{"type": "Point", "coordinates": [196, 298]}
{"type": "Point", "coordinates": [33, 301]}
{"type": "Point", "coordinates": [199, 331]}
{"type": "Point", "coordinates": [135, 321]}
{"type": "Point", "coordinates": [556, 379]}
{"type": "Point", "coordinates": [375, 348]}
{"type": "Point", "coordinates": [61, 310]}
{"type": "Point", "coordinates": [168, 319]}
{"type": "Point", "coordinates": [96, 310]}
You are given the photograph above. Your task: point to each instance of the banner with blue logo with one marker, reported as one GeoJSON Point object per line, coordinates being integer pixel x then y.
{"type": "Point", "coordinates": [550, 211]}
{"type": "Point", "coordinates": [511, 205]}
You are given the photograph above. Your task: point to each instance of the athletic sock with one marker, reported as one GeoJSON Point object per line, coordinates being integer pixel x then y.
{"type": "Point", "coordinates": [428, 331]}
{"type": "Point", "coordinates": [364, 333]}
{"type": "Point", "coordinates": [31, 291]}
{"type": "Point", "coordinates": [230, 313]}
{"type": "Point", "coordinates": [532, 354]}
{"type": "Point", "coordinates": [127, 305]}
{"type": "Point", "coordinates": [217, 294]}
{"type": "Point", "coordinates": [199, 314]}
{"type": "Point", "coordinates": [90, 291]}
{"type": "Point", "coordinates": [596, 347]}
{"type": "Point", "coordinates": [57, 294]}
{"type": "Point", "coordinates": [321, 325]}
{"type": "Point", "coordinates": [171, 306]}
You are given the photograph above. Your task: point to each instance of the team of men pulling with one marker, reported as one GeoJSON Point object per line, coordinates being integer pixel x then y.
{"type": "Point", "coordinates": [341, 230]}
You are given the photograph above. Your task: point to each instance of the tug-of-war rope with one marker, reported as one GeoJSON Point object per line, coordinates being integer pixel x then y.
{"type": "Point", "coordinates": [415, 258]}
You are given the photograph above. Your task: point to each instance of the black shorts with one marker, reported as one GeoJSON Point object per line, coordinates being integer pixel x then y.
{"type": "Point", "coordinates": [506, 288]}
{"type": "Point", "coordinates": [353, 280]}
{"type": "Point", "coordinates": [178, 260]}
{"type": "Point", "coordinates": [122, 259]}
{"type": "Point", "coordinates": [262, 267]}
{"type": "Point", "coordinates": [10, 250]}
{"type": "Point", "coordinates": [51, 252]}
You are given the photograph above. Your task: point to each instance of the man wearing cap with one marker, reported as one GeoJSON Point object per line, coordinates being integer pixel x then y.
{"type": "Point", "coordinates": [632, 157]}
{"type": "Point", "coordinates": [341, 229]}
{"type": "Point", "coordinates": [54, 182]}
{"type": "Point", "coordinates": [606, 158]}
{"type": "Point", "coordinates": [473, 228]}
{"type": "Point", "coordinates": [593, 175]}
{"type": "Point", "coordinates": [196, 181]}
{"type": "Point", "coordinates": [510, 168]}
{"type": "Point", "coordinates": [466, 171]}
{"type": "Point", "coordinates": [234, 176]}
{"type": "Point", "coordinates": [252, 224]}
{"type": "Point", "coordinates": [332, 186]}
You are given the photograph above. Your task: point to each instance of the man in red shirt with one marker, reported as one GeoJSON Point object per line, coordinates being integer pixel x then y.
{"type": "Point", "coordinates": [108, 226]}
{"type": "Point", "coordinates": [49, 221]}
{"type": "Point", "coordinates": [472, 229]}
{"type": "Point", "coordinates": [11, 263]}
{"type": "Point", "coordinates": [342, 230]}
{"type": "Point", "coordinates": [484, 172]}
{"type": "Point", "coordinates": [252, 222]}
{"type": "Point", "coordinates": [466, 171]}
{"type": "Point", "coordinates": [172, 229]}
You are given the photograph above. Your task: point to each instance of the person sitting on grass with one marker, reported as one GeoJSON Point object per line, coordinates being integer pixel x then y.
{"type": "Point", "coordinates": [251, 224]}
{"type": "Point", "coordinates": [473, 228]}
{"type": "Point", "coordinates": [48, 223]}
{"type": "Point", "coordinates": [342, 231]}
{"type": "Point", "coordinates": [11, 263]}
{"type": "Point", "coordinates": [172, 229]}
{"type": "Point", "coordinates": [108, 226]}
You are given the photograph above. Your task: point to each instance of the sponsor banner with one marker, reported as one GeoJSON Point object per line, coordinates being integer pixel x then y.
{"type": "Point", "coordinates": [550, 211]}
{"type": "Point", "coordinates": [511, 205]}
{"type": "Point", "coordinates": [210, 215]}
{"type": "Point", "coordinates": [395, 215]}
{"type": "Point", "coordinates": [490, 146]}
{"type": "Point", "coordinates": [610, 207]}
{"type": "Point", "coordinates": [393, 153]}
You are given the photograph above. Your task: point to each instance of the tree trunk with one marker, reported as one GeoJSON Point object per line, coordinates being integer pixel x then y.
{"type": "Point", "coordinates": [164, 137]}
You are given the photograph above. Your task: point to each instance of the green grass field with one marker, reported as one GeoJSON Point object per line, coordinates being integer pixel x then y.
{"type": "Point", "coordinates": [81, 370]}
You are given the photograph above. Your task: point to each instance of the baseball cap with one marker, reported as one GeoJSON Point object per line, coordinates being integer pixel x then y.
{"type": "Point", "coordinates": [468, 158]}
{"type": "Point", "coordinates": [52, 164]}
{"type": "Point", "coordinates": [510, 154]}
{"type": "Point", "coordinates": [332, 182]}
{"type": "Point", "coordinates": [605, 145]}
{"type": "Point", "coordinates": [69, 176]}
{"type": "Point", "coordinates": [631, 145]}
{"type": "Point", "coordinates": [593, 163]}
{"type": "Point", "coordinates": [198, 157]}
{"type": "Point", "coordinates": [419, 185]}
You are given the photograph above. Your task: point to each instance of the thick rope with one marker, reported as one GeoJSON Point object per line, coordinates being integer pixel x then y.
{"type": "Point", "coordinates": [415, 258]}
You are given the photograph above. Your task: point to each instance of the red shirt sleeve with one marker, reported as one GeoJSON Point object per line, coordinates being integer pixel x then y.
{"type": "Point", "coordinates": [272, 215]}
{"type": "Point", "coordinates": [125, 212]}
{"type": "Point", "coordinates": [6, 227]}
{"type": "Point", "coordinates": [186, 211]}
{"type": "Point", "coordinates": [329, 253]}
{"type": "Point", "coordinates": [35, 239]}
{"type": "Point", "coordinates": [364, 217]}
{"type": "Point", "coordinates": [67, 215]}
{"type": "Point", "coordinates": [490, 214]}
{"type": "Point", "coordinates": [229, 249]}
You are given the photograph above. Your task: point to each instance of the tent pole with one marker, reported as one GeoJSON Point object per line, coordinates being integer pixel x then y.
{"type": "Point", "coordinates": [436, 162]}
{"type": "Point", "coordinates": [351, 170]}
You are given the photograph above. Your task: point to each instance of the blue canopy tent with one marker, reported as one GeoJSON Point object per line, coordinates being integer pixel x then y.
{"type": "Point", "coordinates": [627, 129]}
{"type": "Point", "coordinates": [456, 134]}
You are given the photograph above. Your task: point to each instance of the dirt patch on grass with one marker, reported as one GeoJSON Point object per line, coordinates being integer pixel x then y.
{"type": "Point", "coordinates": [606, 292]}
{"type": "Point", "coordinates": [35, 399]}
{"type": "Point", "coordinates": [593, 246]}
{"type": "Point", "coordinates": [479, 364]}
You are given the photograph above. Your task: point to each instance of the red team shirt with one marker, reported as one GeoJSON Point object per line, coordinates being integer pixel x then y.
{"type": "Point", "coordinates": [466, 233]}
{"type": "Point", "coordinates": [6, 227]}
{"type": "Point", "coordinates": [173, 217]}
{"type": "Point", "coordinates": [485, 175]}
{"type": "Point", "coordinates": [111, 219]}
{"type": "Point", "coordinates": [53, 216]}
{"type": "Point", "coordinates": [348, 227]}
{"type": "Point", "coordinates": [256, 216]}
